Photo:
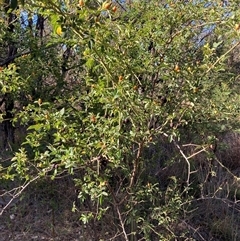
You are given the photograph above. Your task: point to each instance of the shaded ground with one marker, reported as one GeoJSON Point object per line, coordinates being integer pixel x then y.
{"type": "Point", "coordinates": [43, 214]}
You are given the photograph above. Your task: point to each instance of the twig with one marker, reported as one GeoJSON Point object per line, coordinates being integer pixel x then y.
{"type": "Point", "coordinates": [194, 230]}
{"type": "Point", "coordinates": [22, 188]}
{"type": "Point", "coordinates": [118, 212]}
{"type": "Point", "coordinates": [135, 165]}
{"type": "Point", "coordinates": [196, 153]}
{"type": "Point", "coordinates": [185, 158]}
{"type": "Point", "coordinates": [122, 223]}
{"type": "Point", "coordinates": [219, 59]}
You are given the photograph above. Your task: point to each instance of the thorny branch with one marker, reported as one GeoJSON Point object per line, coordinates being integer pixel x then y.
{"type": "Point", "coordinates": [186, 158]}
{"type": "Point", "coordinates": [16, 192]}
{"type": "Point", "coordinates": [116, 204]}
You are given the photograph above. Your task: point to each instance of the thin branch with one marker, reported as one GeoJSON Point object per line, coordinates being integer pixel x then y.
{"type": "Point", "coordinates": [122, 223]}
{"type": "Point", "coordinates": [22, 188]}
{"type": "Point", "coordinates": [196, 153]}
{"type": "Point", "coordinates": [19, 190]}
{"type": "Point", "coordinates": [219, 59]}
{"type": "Point", "coordinates": [194, 230]}
{"type": "Point", "coordinates": [116, 204]}
{"type": "Point", "coordinates": [135, 165]}
{"type": "Point", "coordinates": [185, 158]}
{"type": "Point", "coordinates": [120, 4]}
{"type": "Point", "coordinates": [11, 58]}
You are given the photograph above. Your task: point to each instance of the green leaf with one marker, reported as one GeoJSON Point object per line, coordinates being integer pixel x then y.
{"type": "Point", "coordinates": [62, 111]}
{"type": "Point", "coordinates": [36, 127]}
{"type": "Point", "coordinates": [216, 44]}
{"type": "Point", "coordinates": [90, 63]}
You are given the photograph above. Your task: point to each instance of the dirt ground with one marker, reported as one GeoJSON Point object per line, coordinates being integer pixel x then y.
{"type": "Point", "coordinates": [43, 212]}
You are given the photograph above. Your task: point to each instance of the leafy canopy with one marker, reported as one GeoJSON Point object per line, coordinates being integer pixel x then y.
{"type": "Point", "coordinates": [108, 80]}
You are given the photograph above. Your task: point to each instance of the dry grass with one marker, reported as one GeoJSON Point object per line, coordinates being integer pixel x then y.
{"type": "Point", "coordinates": [215, 187]}
{"type": "Point", "coordinates": [229, 151]}
{"type": "Point", "coordinates": [44, 213]}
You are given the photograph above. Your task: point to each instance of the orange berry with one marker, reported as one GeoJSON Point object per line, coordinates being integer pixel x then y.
{"type": "Point", "coordinates": [114, 9]}
{"type": "Point", "coordinates": [81, 3]}
{"type": "Point", "coordinates": [237, 26]}
{"type": "Point", "coordinates": [120, 78]}
{"type": "Point", "coordinates": [106, 5]}
{"type": "Point", "coordinates": [135, 87]}
{"type": "Point", "coordinates": [177, 69]}
{"type": "Point", "coordinates": [93, 118]}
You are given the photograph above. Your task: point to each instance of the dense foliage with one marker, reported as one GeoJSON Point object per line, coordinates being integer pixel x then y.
{"type": "Point", "coordinates": [103, 89]}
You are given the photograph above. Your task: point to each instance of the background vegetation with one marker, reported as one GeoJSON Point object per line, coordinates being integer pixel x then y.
{"type": "Point", "coordinates": [126, 114]}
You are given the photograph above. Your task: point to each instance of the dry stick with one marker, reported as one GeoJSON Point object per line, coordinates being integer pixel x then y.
{"type": "Point", "coordinates": [114, 237]}
{"type": "Point", "coordinates": [185, 158]}
{"type": "Point", "coordinates": [219, 59]}
{"type": "Point", "coordinates": [227, 169]}
{"type": "Point", "coordinates": [135, 165]}
{"type": "Point", "coordinates": [118, 211]}
{"type": "Point", "coordinates": [196, 153]}
{"type": "Point", "coordinates": [22, 188]}
{"type": "Point", "coordinates": [194, 230]}
{"type": "Point", "coordinates": [122, 224]}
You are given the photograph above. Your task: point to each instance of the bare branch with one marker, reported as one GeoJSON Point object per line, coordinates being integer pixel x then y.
{"type": "Point", "coordinates": [16, 195]}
